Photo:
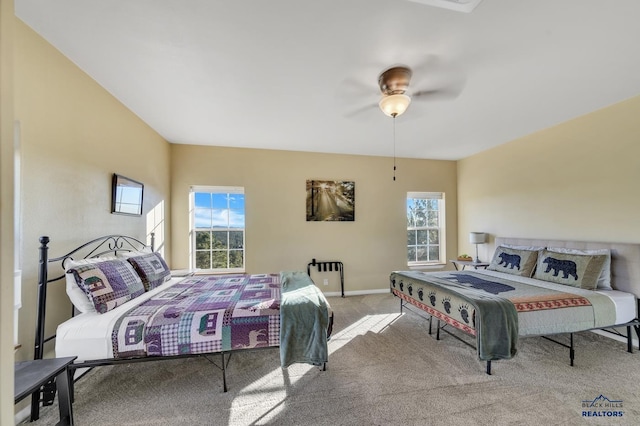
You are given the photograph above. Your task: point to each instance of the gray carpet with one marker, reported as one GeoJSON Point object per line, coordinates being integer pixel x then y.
{"type": "Point", "coordinates": [384, 369]}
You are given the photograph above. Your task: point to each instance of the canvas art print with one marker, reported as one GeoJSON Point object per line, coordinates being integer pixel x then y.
{"type": "Point", "coordinates": [330, 200]}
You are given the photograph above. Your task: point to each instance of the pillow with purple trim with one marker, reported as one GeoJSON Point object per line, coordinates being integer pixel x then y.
{"type": "Point", "coordinates": [152, 269]}
{"type": "Point", "coordinates": [108, 284]}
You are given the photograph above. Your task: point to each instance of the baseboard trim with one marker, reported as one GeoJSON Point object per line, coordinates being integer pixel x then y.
{"type": "Point", "coordinates": [357, 292]}
{"type": "Point", "coordinates": [23, 415]}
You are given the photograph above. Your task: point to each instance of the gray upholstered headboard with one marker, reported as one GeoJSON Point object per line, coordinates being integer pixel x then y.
{"type": "Point", "coordinates": [625, 258]}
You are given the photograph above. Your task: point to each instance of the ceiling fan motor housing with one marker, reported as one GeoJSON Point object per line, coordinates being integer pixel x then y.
{"type": "Point", "coordinates": [395, 80]}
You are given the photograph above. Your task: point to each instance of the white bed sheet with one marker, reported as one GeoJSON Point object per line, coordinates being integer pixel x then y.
{"type": "Point", "coordinates": [625, 303]}
{"type": "Point", "coordinates": [88, 335]}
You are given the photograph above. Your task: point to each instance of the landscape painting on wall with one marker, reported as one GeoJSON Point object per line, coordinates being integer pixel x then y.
{"type": "Point", "coordinates": [330, 200]}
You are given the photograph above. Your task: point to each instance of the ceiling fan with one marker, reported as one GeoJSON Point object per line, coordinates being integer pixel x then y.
{"type": "Point", "coordinates": [396, 96]}
{"type": "Point", "coordinates": [394, 86]}
{"type": "Point", "coordinates": [393, 83]}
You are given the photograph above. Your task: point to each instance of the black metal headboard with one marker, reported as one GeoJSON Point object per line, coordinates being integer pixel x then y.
{"type": "Point", "coordinates": [108, 244]}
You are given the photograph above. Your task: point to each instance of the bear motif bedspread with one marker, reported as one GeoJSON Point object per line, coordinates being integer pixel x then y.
{"type": "Point", "coordinates": [203, 314]}
{"type": "Point", "coordinates": [496, 309]}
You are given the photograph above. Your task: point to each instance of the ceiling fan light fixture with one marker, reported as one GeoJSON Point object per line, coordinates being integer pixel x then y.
{"type": "Point", "coordinates": [394, 105]}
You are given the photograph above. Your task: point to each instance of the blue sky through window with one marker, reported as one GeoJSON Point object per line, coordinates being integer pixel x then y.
{"type": "Point", "coordinates": [219, 210]}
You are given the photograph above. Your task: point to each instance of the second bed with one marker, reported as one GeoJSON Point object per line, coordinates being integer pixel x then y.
{"type": "Point", "coordinates": [576, 287]}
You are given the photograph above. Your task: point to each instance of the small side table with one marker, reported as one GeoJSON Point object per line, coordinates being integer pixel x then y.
{"type": "Point", "coordinates": [461, 264]}
{"type": "Point", "coordinates": [29, 376]}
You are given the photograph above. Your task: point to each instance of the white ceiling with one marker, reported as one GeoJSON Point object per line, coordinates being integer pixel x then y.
{"type": "Point", "coordinates": [296, 75]}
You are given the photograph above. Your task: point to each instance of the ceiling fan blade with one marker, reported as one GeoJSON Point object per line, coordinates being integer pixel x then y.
{"type": "Point", "coordinates": [431, 64]}
{"type": "Point", "coordinates": [449, 91]}
{"type": "Point", "coordinates": [435, 95]}
{"type": "Point", "coordinates": [351, 89]}
{"type": "Point", "coordinates": [359, 112]}
{"type": "Point", "coordinates": [356, 98]}
{"type": "Point", "coordinates": [438, 77]}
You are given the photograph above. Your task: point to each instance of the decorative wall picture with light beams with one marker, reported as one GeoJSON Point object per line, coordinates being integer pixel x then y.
{"type": "Point", "coordinates": [330, 200]}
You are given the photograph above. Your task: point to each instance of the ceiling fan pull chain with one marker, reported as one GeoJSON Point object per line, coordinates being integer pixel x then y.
{"type": "Point", "coordinates": [394, 147]}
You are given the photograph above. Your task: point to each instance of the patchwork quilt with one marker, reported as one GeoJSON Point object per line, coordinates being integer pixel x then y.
{"type": "Point", "coordinates": [497, 310]}
{"type": "Point", "coordinates": [203, 314]}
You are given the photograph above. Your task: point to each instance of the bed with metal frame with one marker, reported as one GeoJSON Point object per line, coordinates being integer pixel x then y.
{"type": "Point", "coordinates": [96, 248]}
{"type": "Point", "coordinates": [625, 272]}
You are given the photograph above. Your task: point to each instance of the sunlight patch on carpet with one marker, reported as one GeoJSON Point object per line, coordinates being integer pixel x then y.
{"type": "Point", "coordinates": [274, 384]}
{"type": "Point", "coordinates": [369, 323]}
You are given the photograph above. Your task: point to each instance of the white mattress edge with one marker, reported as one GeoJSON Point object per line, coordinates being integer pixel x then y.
{"type": "Point", "coordinates": [85, 335]}
{"type": "Point", "coordinates": [625, 303]}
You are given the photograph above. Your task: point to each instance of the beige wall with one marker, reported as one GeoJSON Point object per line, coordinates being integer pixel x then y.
{"type": "Point", "coordinates": [74, 137]}
{"type": "Point", "coordinates": [578, 181]}
{"type": "Point", "coordinates": [6, 212]}
{"type": "Point", "coordinates": [278, 237]}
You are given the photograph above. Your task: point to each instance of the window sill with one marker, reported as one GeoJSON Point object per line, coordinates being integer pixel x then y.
{"type": "Point", "coordinates": [218, 271]}
{"type": "Point", "coordinates": [431, 266]}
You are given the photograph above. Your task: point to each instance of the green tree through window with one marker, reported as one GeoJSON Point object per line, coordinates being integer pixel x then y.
{"type": "Point", "coordinates": [218, 221]}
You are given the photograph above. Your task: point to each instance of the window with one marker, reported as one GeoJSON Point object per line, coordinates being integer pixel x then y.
{"type": "Point", "coordinates": [217, 228]}
{"type": "Point", "coordinates": [425, 228]}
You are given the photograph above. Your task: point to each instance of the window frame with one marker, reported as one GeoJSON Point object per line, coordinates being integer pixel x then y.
{"type": "Point", "coordinates": [17, 229]}
{"type": "Point", "coordinates": [440, 228]}
{"type": "Point", "coordinates": [228, 190]}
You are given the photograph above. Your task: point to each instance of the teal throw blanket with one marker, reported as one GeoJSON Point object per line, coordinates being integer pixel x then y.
{"type": "Point", "coordinates": [496, 317]}
{"type": "Point", "coordinates": [304, 318]}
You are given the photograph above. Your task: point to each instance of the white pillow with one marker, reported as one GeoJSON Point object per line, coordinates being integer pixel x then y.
{"type": "Point", "coordinates": [604, 280]}
{"type": "Point", "coordinates": [128, 254]}
{"type": "Point", "coordinates": [77, 296]}
{"type": "Point", "coordinates": [530, 248]}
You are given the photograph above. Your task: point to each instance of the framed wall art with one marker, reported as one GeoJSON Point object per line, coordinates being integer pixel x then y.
{"type": "Point", "coordinates": [330, 200]}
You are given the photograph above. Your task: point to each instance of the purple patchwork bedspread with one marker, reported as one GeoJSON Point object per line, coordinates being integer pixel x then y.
{"type": "Point", "coordinates": [203, 314]}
